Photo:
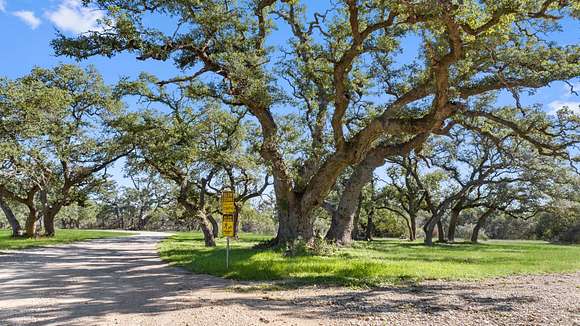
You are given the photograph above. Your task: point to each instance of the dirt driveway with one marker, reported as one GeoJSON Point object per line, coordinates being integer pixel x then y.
{"type": "Point", "coordinates": [122, 281]}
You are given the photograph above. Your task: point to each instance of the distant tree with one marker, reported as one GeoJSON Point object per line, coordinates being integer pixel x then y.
{"type": "Point", "coordinates": [402, 195]}
{"type": "Point", "coordinates": [10, 217]}
{"type": "Point", "coordinates": [65, 143]}
{"type": "Point", "coordinates": [146, 195]}
{"type": "Point", "coordinates": [195, 145]}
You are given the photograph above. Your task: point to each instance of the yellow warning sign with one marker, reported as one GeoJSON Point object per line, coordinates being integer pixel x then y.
{"type": "Point", "coordinates": [228, 225]}
{"type": "Point", "coordinates": [228, 205]}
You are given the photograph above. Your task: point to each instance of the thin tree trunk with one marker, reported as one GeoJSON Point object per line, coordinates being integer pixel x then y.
{"type": "Point", "coordinates": [440, 231]}
{"type": "Point", "coordinates": [453, 223]}
{"type": "Point", "coordinates": [413, 230]}
{"type": "Point", "coordinates": [408, 223]}
{"type": "Point", "coordinates": [237, 221]}
{"type": "Point", "coordinates": [370, 227]}
{"type": "Point", "coordinates": [208, 235]}
{"type": "Point", "coordinates": [200, 215]}
{"type": "Point", "coordinates": [12, 220]}
{"type": "Point", "coordinates": [480, 223]}
{"type": "Point", "coordinates": [356, 224]}
{"type": "Point", "coordinates": [214, 225]}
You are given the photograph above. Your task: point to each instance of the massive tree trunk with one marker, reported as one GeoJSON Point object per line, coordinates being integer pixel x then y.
{"type": "Point", "coordinates": [143, 221]}
{"type": "Point", "coordinates": [12, 220]}
{"type": "Point", "coordinates": [49, 216]}
{"type": "Point", "coordinates": [342, 223]}
{"type": "Point", "coordinates": [295, 207]}
{"type": "Point", "coordinates": [429, 228]}
{"type": "Point", "coordinates": [30, 224]}
{"type": "Point", "coordinates": [48, 221]}
{"type": "Point", "coordinates": [293, 222]}
{"type": "Point", "coordinates": [480, 223]}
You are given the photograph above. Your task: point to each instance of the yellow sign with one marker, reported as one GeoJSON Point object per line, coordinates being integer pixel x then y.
{"type": "Point", "coordinates": [228, 225]}
{"type": "Point", "coordinates": [228, 205]}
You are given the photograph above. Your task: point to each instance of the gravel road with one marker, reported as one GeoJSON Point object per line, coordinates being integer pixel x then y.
{"type": "Point", "coordinates": [122, 281]}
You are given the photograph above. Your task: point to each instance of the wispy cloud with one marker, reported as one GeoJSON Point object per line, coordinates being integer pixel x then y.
{"type": "Point", "coordinates": [558, 105]}
{"type": "Point", "coordinates": [2, 5]}
{"type": "Point", "coordinates": [71, 16]}
{"type": "Point", "coordinates": [28, 17]}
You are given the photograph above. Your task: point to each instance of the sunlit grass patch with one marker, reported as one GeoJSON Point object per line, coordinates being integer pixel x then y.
{"type": "Point", "coordinates": [382, 261]}
{"type": "Point", "coordinates": [62, 236]}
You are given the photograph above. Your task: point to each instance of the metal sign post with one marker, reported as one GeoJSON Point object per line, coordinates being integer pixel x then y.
{"type": "Point", "coordinates": [228, 253]}
{"type": "Point", "coordinates": [228, 209]}
{"type": "Point", "coordinates": [228, 231]}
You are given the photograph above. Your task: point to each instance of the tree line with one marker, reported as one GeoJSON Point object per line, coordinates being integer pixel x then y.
{"type": "Point", "coordinates": [311, 114]}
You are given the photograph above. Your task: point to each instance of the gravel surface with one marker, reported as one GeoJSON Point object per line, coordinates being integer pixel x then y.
{"type": "Point", "coordinates": [122, 281]}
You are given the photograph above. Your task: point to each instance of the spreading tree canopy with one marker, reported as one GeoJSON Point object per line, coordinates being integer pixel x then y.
{"type": "Point", "coordinates": [57, 137]}
{"type": "Point", "coordinates": [336, 70]}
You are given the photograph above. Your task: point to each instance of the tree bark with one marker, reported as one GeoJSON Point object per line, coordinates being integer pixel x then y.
{"type": "Point", "coordinates": [12, 220]}
{"type": "Point", "coordinates": [440, 231]}
{"type": "Point", "coordinates": [30, 224]}
{"type": "Point", "coordinates": [413, 227]}
{"type": "Point", "coordinates": [208, 232]}
{"type": "Point", "coordinates": [453, 223]}
{"type": "Point", "coordinates": [48, 219]}
{"type": "Point", "coordinates": [293, 222]}
{"type": "Point", "coordinates": [355, 228]}
{"type": "Point", "coordinates": [294, 208]}
{"type": "Point", "coordinates": [342, 222]}
{"type": "Point", "coordinates": [214, 225]}
{"type": "Point", "coordinates": [343, 218]}
{"type": "Point", "coordinates": [480, 223]}
{"type": "Point", "coordinates": [429, 228]}
{"type": "Point", "coordinates": [370, 227]}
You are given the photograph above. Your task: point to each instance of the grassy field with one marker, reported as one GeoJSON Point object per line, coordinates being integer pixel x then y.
{"type": "Point", "coordinates": [62, 236]}
{"type": "Point", "coordinates": [372, 264]}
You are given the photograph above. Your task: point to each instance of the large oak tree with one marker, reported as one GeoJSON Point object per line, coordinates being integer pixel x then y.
{"type": "Point", "coordinates": [335, 64]}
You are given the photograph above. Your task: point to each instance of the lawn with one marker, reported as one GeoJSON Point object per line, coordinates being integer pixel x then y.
{"type": "Point", "coordinates": [382, 261]}
{"type": "Point", "coordinates": [62, 236]}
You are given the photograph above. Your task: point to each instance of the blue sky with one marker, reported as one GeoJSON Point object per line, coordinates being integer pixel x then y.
{"type": "Point", "coordinates": [27, 27]}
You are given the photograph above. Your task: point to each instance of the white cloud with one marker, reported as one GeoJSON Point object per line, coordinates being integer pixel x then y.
{"type": "Point", "coordinates": [555, 106]}
{"type": "Point", "coordinates": [71, 16]}
{"type": "Point", "coordinates": [2, 5]}
{"type": "Point", "coordinates": [28, 17]}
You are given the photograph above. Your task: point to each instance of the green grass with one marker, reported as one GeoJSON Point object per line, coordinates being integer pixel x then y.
{"type": "Point", "coordinates": [372, 264]}
{"type": "Point", "coordinates": [62, 236]}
